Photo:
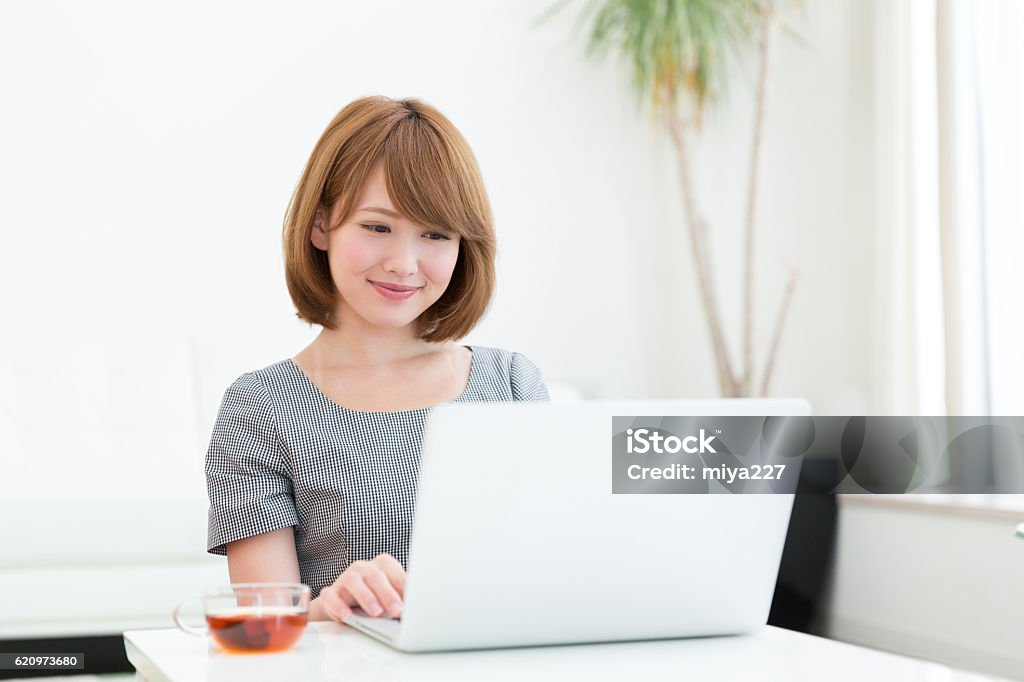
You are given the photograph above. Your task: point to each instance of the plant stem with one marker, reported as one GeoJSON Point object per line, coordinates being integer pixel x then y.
{"type": "Point", "coordinates": [698, 242]}
{"type": "Point", "coordinates": [755, 165]}
{"type": "Point", "coordinates": [779, 324]}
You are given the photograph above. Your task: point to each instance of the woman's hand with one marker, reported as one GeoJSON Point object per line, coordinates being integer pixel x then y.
{"type": "Point", "coordinates": [375, 586]}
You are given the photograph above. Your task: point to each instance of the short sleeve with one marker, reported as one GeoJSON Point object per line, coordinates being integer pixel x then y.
{"type": "Point", "coordinates": [527, 382]}
{"type": "Point", "coordinates": [247, 478]}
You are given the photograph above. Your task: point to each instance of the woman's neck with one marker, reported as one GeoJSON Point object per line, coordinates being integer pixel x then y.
{"type": "Point", "coordinates": [367, 346]}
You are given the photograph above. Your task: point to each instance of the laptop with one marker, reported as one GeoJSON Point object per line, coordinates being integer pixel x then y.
{"type": "Point", "coordinates": [519, 541]}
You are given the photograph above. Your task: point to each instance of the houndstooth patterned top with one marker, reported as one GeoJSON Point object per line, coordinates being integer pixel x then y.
{"type": "Point", "coordinates": [284, 454]}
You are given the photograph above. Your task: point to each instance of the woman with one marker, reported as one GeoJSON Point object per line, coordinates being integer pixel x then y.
{"type": "Point", "coordinates": [312, 465]}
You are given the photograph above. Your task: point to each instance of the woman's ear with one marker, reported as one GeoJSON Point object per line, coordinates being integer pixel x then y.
{"type": "Point", "coordinates": [318, 235]}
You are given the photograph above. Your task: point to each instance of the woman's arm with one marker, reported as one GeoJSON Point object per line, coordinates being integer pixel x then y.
{"type": "Point", "coordinates": [269, 558]}
{"type": "Point", "coordinates": [265, 558]}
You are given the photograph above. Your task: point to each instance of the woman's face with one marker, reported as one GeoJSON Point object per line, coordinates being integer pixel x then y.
{"type": "Point", "coordinates": [387, 269]}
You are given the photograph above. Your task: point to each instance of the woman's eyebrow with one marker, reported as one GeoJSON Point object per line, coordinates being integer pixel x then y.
{"type": "Point", "coordinates": [381, 210]}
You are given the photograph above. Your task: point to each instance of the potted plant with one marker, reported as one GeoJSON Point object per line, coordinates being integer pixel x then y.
{"type": "Point", "coordinates": [680, 53]}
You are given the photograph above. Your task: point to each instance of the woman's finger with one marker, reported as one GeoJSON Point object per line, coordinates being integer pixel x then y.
{"type": "Point", "coordinates": [334, 604]}
{"type": "Point", "coordinates": [385, 591]}
{"type": "Point", "coordinates": [353, 582]}
{"type": "Point", "coordinates": [393, 570]}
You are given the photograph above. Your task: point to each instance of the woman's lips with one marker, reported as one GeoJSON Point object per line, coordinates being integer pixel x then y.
{"type": "Point", "coordinates": [393, 294]}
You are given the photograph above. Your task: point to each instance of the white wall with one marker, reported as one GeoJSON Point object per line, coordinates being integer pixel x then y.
{"type": "Point", "coordinates": [149, 152]}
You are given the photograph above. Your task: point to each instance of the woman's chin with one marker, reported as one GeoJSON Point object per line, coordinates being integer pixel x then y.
{"type": "Point", "coordinates": [387, 316]}
{"type": "Point", "coordinates": [391, 321]}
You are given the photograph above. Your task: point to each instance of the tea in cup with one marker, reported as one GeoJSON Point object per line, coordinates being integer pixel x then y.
{"type": "Point", "coordinates": [252, 617]}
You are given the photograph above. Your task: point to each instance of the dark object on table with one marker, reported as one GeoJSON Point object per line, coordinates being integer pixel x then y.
{"type": "Point", "coordinates": [103, 654]}
{"type": "Point", "coordinates": [807, 555]}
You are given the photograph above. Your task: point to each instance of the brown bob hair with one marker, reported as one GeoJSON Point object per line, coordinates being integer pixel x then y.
{"type": "Point", "coordinates": [433, 180]}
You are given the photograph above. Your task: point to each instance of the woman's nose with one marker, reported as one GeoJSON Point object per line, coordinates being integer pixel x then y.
{"type": "Point", "coordinates": [401, 259]}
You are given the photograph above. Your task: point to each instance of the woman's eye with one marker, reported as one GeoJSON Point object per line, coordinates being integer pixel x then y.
{"type": "Point", "coordinates": [437, 236]}
{"type": "Point", "coordinates": [379, 229]}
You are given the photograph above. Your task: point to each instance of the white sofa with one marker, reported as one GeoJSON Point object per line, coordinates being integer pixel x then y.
{"type": "Point", "coordinates": [94, 568]}
{"type": "Point", "coordinates": [102, 493]}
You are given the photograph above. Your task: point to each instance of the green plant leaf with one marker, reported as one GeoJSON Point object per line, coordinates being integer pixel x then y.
{"type": "Point", "coordinates": [673, 48]}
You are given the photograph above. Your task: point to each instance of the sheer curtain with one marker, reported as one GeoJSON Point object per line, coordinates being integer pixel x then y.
{"type": "Point", "coordinates": [980, 64]}
{"type": "Point", "coordinates": [999, 44]}
{"type": "Point", "coordinates": [950, 199]}
{"type": "Point", "coordinates": [907, 340]}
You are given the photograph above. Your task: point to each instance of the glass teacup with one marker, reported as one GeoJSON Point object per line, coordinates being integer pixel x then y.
{"type": "Point", "coordinates": [252, 617]}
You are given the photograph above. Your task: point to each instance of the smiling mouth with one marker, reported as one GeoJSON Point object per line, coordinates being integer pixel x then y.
{"type": "Point", "coordinates": [394, 292]}
{"type": "Point", "coordinates": [394, 287]}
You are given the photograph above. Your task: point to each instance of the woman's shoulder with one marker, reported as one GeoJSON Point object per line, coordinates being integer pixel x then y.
{"type": "Point", "coordinates": [265, 382]}
{"type": "Point", "coordinates": [492, 355]}
{"type": "Point", "coordinates": [510, 368]}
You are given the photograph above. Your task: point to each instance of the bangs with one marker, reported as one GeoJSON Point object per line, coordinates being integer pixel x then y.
{"type": "Point", "coordinates": [430, 184]}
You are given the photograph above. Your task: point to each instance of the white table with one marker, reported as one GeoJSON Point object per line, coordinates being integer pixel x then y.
{"type": "Point", "coordinates": [328, 651]}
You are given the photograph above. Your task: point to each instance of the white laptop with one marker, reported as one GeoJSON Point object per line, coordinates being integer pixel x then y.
{"type": "Point", "coordinates": [519, 541]}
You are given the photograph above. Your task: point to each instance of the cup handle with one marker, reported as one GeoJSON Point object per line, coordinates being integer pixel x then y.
{"type": "Point", "coordinates": [195, 632]}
